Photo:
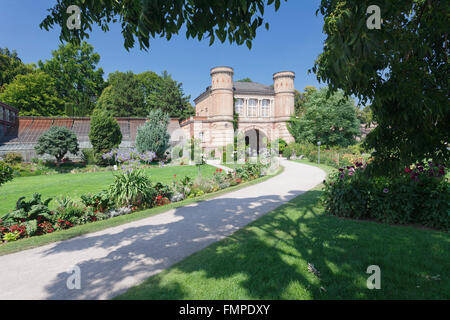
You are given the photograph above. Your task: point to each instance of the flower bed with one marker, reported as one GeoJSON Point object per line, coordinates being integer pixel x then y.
{"type": "Point", "coordinates": [131, 191]}
{"type": "Point", "coordinates": [418, 195]}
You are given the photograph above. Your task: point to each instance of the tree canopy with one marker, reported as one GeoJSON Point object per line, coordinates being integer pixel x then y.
{"type": "Point", "coordinates": [168, 96]}
{"type": "Point", "coordinates": [245, 80]}
{"type": "Point", "coordinates": [234, 20]}
{"type": "Point", "coordinates": [77, 80]}
{"type": "Point", "coordinates": [57, 141]}
{"type": "Point", "coordinates": [402, 69]}
{"type": "Point", "coordinates": [135, 95]}
{"type": "Point", "coordinates": [124, 96]}
{"type": "Point", "coordinates": [34, 94]}
{"type": "Point", "coordinates": [331, 120]}
{"type": "Point", "coordinates": [11, 66]}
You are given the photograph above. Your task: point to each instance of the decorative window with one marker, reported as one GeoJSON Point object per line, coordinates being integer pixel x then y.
{"type": "Point", "coordinates": [202, 136]}
{"type": "Point", "coordinates": [265, 108]}
{"type": "Point", "coordinates": [252, 108]}
{"type": "Point", "coordinates": [239, 106]}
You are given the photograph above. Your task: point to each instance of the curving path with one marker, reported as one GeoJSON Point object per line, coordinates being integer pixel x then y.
{"type": "Point", "coordinates": [112, 260]}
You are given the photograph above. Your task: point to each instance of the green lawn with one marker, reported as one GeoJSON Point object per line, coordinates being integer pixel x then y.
{"type": "Point", "coordinates": [269, 260]}
{"type": "Point", "coordinates": [74, 185]}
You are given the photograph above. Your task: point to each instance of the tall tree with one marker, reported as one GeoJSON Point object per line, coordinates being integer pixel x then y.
{"type": "Point", "coordinates": [34, 94]}
{"type": "Point", "coordinates": [235, 20]}
{"type": "Point", "coordinates": [124, 96]}
{"type": "Point", "coordinates": [168, 96]}
{"type": "Point", "coordinates": [401, 68]}
{"type": "Point", "coordinates": [331, 120]}
{"type": "Point", "coordinates": [78, 81]}
{"type": "Point", "coordinates": [135, 95]}
{"type": "Point", "coordinates": [301, 98]}
{"type": "Point", "coordinates": [11, 66]}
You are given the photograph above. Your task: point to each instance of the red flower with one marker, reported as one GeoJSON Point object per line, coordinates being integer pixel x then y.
{"type": "Point", "coordinates": [408, 170]}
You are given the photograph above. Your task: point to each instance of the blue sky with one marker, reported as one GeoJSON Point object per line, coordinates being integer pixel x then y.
{"type": "Point", "coordinates": [293, 42]}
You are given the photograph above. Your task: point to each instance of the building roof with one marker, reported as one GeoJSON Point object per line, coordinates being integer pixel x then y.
{"type": "Point", "coordinates": [243, 88]}
{"type": "Point", "coordinates": [31, 128]}
{"type": "Point", "coordinates": [252, 87]}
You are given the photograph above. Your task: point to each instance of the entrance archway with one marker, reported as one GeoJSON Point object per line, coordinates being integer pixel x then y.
{"type": "Point", "coordinates": [255, 141]}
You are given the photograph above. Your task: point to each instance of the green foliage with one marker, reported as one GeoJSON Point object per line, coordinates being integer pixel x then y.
{"type": "Point", "coordinates": [13, 158]}
{"type": "Point", "coordinates": [236, 21]}
{"type": "Point", "coordinates": [78, 83]}
{"type": "Point", "coordinates": [419, 196]}
{"type": "Point", "coordinates": [301, 98]}
{"type": "Point", "coordinates": [6, 173]}
{"type": "Point", "coordinates": [88, 156]}
{"type": "Point", "coordinates": [153, 135]}
{"type": "Point", "coordinates": [135, 95]}
{"type": "Point", "coordinates": [282, 144]}
{"type": "Point", "coordinates": [104, 134]}
{"type": "Point", "coordinates": [329, 119]}
{"type": "Point", "coordinates": [11, 66]}
{"type": "Point", "coordinates": [124, 96]}
{"type": "Point", "coordinates": [11, 236]}
{"type": "Point", "coordinates": [34, 94]}
{"type": "Point", "coordinates": [245, 80]}
{"type": "Point", "coordinates": [100, 201]}
{"type": "Point", "coordinates": [132, 188]}
{"type": "Point", "coordinates": [167, 95]}
{"type": "Point", "coordinates": [57, 141]}
{"type": "Point", "coordinates": [29, 213]}
{"type": "Point", "coordinates": [402, 69]}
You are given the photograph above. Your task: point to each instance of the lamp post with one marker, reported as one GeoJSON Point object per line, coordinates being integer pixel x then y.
{"type": "Point", "coordinates": [318, 160]}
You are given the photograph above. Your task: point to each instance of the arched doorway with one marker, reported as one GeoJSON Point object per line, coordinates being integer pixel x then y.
{"type": "Point", "coordinates": [255, 141]}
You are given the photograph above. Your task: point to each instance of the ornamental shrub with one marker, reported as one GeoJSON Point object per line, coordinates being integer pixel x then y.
{"type": "Point", "coordinates": [6, 173]}
{"type": "Point", "coordinates": [57, 141]}
{"type": "Point", "coordinates": [29, 214]}
{"type": "Point", "coordinates": [132, 188]}
{"type": "Point", "coordinates": [419, 195]}
{"type": "Point", "coordinates": [13, 158]}
{"type": "Point", "coordinates": [104, 134]}
{"type": "Point", "coordinates": [153, 135]}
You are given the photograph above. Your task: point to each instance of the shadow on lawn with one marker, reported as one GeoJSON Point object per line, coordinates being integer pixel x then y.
{"type": "Point", "coordinates": [268, 260]}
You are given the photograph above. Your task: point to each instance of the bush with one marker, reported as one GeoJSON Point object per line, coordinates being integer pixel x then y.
{"type": "Point", "coordinates": [100, 201]}
{"type": "Point", "coordinates": [6, 173]}
{"type": "Point", "coordinates": [28, 215]}
{"type": "Point", "coordinates": [132, 188]}
{"type": "Point", "coordinates": [104, 135]}
{"type": "Point", "coordinates": [57, 141]}
{"type": "Point", "coordinates": [88, 156]}
{"type": "Point", "coordinates": [282, 144]}
{"type": "Point", "coordinates": [153, 135]}
{"type": "Point", "coordinates": [417, 196]}
{"type": "Point", "coordinates": [13, 158]}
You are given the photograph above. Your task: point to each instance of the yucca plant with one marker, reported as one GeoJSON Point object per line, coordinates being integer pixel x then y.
{"type": "Point", "coordinates": [131, 188]}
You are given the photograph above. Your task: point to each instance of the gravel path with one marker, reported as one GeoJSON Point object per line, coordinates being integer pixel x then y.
{"type": "Point", "coordinates": [112, 260]}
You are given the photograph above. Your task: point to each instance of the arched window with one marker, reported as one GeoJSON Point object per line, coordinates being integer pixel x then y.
{"type": "Point", "coordinates": [239, 106]}
{"type": "Point", "coordinates": [252, 108]}
{"type": "Point", "coordinates": [265, 108]}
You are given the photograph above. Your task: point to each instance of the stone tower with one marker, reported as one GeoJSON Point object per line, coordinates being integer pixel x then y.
{"type": "Point", "coordinates": [222, 104]}
{"type": "Point", "coordinates": [222, 93]}
{"type": "Point", "coordinates": [283, 84]}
